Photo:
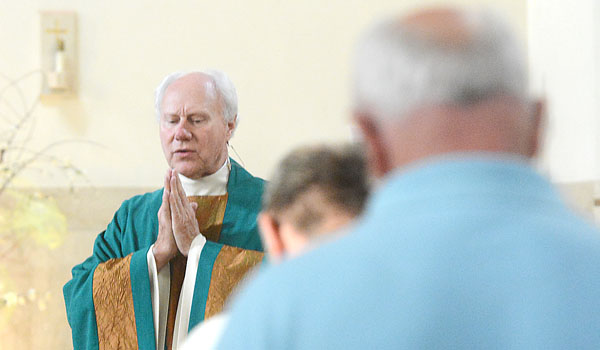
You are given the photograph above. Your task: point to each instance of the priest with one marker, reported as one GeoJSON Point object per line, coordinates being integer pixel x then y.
{"type": "Point", "coordinates": [169, 259]}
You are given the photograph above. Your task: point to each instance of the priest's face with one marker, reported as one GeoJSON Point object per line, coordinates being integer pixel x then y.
{"type": "Point", "coordinates": [193, 131]}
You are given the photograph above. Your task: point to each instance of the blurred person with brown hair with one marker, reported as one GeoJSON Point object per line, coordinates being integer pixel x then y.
{"type": "Point", "coordinates": [315, 191]}
{"type": "Point", "coordinates": [315, 195]}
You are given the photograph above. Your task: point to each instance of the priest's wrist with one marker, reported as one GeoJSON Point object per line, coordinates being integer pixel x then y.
{"type": "Point", "coordinates": [162, 257]}
{"type": "Point", "coordinates": [184, 241]}
{"type": "Point", "coordinates": [185, 251]}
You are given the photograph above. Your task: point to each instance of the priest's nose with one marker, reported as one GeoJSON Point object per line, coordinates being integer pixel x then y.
{"type": "Point", "coordinates": [182, 133]}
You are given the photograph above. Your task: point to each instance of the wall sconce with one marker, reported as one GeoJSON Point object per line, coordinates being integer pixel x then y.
{"type": "Point", "coordinates": [58, 53]}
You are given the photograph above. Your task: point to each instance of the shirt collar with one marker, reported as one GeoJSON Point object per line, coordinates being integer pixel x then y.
{"type": "Point", "coordinates": [455, 175]}
{"type": "Point", "coordinates": [211, 185]}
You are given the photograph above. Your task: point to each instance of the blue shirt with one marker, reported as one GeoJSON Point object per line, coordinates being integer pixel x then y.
{"type": "Point", "coordinates": [467, 252]}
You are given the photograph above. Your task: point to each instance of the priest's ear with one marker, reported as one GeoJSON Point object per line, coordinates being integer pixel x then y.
{"type": "Point", "coordinates": [271, 236]}
{"type": "Point", "coordinates": [231, 127]}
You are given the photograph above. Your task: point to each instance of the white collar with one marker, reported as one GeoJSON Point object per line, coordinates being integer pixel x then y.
{"type": "Point", "coordinates": [211, 185]}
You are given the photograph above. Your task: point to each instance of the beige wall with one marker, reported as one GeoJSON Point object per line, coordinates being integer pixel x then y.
{"type": "Point", "coordinates": [288, 59]}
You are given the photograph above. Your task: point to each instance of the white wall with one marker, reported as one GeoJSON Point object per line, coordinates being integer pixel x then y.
{"type": "Point", "coordinates": [564, 60]}
{"type": "Point", "coordinates": [289, 60]}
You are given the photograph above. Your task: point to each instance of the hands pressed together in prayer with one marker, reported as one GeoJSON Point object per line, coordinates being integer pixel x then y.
{"type": "Point", "coordinates": [177, 225]}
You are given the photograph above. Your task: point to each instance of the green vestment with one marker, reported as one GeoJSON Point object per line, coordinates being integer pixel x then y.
{"type": "Point", "coordinates": [108, 299]}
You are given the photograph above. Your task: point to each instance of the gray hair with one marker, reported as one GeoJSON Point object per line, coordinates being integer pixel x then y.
{"type": "Point", "coordinates": [397, 70]}
{"type": "Point", "coordinates": [340, 174]}
{"type": "Point", "coordinates": [223, 86]}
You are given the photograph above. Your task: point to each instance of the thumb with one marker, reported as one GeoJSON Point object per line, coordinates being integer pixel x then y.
{"type": "Point", "coordinates": [194, 206]}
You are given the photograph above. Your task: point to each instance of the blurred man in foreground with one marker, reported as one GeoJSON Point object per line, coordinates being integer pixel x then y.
{"type": "Point", "coordinates": [315, 194]}
{"type": "Point", "coordinates": [464, 245]}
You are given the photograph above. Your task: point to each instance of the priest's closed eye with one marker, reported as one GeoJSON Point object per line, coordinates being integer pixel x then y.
{"type": "Point", "coordinates": [171, 119]}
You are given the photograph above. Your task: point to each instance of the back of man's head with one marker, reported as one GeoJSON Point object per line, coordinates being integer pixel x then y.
{"type": "Point", "coordinates": [437, 57]}
{"type": "Point", "coordinates": [315, 190]}
{"type": "Point", "coordinates": [443, 62]}
{"type": "Point", "coordinates": [335, 175]}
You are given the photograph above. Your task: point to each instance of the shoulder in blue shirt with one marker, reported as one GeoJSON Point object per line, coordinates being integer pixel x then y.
{"type": "Point", "coordinates": [469, 252]}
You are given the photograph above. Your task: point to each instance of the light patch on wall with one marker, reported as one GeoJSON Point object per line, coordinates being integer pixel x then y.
{"type": "Point", "coordinates": [39, 219]}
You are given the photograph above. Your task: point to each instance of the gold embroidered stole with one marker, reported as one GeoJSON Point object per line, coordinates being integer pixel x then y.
{"type": "Point", "coordinates": [229, 269]}
{"type": "Point", "coordinates": [112, 293]}
{"type": "Point", "coordinates": [113, 303]}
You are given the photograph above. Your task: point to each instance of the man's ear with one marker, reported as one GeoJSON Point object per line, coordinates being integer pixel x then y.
{"type": "Point", "coordinates": [376, 151]}
{"type": "Point", "coordinates": [537, 128]}
{"type": "Point", "coordinates": [231, 127]}
{"type": "Point", "coordinates": [269, 229]}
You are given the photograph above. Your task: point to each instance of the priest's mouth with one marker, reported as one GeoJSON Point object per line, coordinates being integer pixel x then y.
{"type": "Point", "coordinates": [183, 152]}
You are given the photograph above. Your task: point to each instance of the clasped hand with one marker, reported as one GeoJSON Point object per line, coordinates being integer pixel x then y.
{"type": "Point", "coordinates": [177, 224]}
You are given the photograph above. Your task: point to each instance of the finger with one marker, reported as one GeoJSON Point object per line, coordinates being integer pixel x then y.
{"type": "Point", "coordinates": [165, 197]}
{"type": "Point", "coordinates": [161, 210]}
{"type": "Point", "coordinates": [192, 209]}
{"type": "Point", "coordinates": [173, 198]}
{"type": "Point", "coordinates": [174, 203]}
{"type": "Point", "coordinates": [178, 190]}
{"type": "Point", "coordinates": [175, 215]}
{"type": "Point", "coordinates": [177, 210]}
{"type": "Point", "coordinates": [168, 180]}
{"type": "Point", "coordinates": [164, 212]}
{"type": "Point", "coordinates": [165, 203]}
{"type": "Point", "coordinates": [167, 208]}
{"type": "Point", "coordinates": [166, 194]}
{"type": "Point", "coordinates": [185, 203]}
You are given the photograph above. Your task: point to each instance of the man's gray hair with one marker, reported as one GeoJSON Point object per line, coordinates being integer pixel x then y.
{"type": "Point", "coordinates": [223, 86]}
{"type": "Point", "coordinates": [338, 173]}
{"type": "Point", "coordinates": [398, 70]}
